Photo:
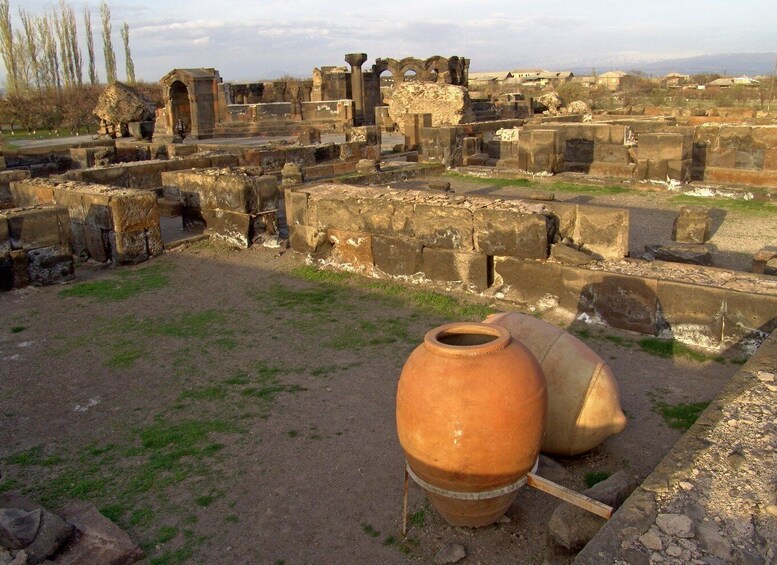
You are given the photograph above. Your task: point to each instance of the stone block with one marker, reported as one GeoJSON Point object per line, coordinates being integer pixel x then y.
{"type": "Point", "coordinates": [128, 247]}
{"type": "Point", "coordinates": [306, 239]}
{"type": "Point", "coordinates": [610, 153]}
{"type": "Point", "coordinates": [231, 227]}
{"type": "Point", "coordinates": [452, 266]}
{"type": "Point", "coordinates": [5, 239]}
{"type": "Point", "coordinates": [297, 207]}
{"type": "Point", "coordinates": [664, 146]}
{"type": "Point", "coordinates": [134, 210]}
{"type": "Point", "coordinates": [50, 265]}
{"type": "Point", "coordinates": [73, 200]}
{"type": "Point", "coordinates": [691, 313]}
{"type": "Point", "coordinates": [397, 256]}
{"type": "Point", "coordinates": [96, 209]}
{"type": "Point", "coordinates": [679, 170]}
{"type": "Point", "coordinates": [692, 225]}
{"type": "Point", "coordinates": [352, 248]}
{"type": "Point", "coordinates": [749, 315]}
{"type": "Point", "coordinates": [98, 243]}
{"type": "Point", "coordinates": [657, 170]}
{"type": "Point", "coordinates": [762, 258]}
{"type": "Point", "coordinates": [34, 227]}
{"type": "Point", "coordinates": [622, 301]}
{"type": "Point", "coordinates": [444, 227]}
{"type": "Point", "coordinates": [509, 233]}
{"type": "Point", "coordinates": [691, 254]}
{"type": "Point", "coordinates": [20, 275]}
{"type": "Point", "coordinates": [78, 240]}
{"type": "Point", "coordinates": [154, 241]}
{"type": "Point", "coordinates": [603, 231]}
{"type": "Point", "coordinates": [342, 213]}
{"type": "Point", "coordinates": [770, 159]}
{"type": "Point", "coordinates": [724, 157]}
{"type": "Point", "coordinates": [529, 281]}
{"type": "Point", "coordinates": [224, 160]}
{"type": "Point", "coordinates": [612, 170]}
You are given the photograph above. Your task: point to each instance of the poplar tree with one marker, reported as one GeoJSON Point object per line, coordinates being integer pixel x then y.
{"type": "Point", "coordinates": [90, 44]}
{"type": "Point", "coordinates": [7, 44]}
{"type": "Point", "coordinates": [110, 56]}
{"type": "Point", "coordinates": [128, 54]}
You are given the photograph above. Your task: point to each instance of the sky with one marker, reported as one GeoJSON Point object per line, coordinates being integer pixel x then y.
{"type": "Point", "coordinates": [265, 39]}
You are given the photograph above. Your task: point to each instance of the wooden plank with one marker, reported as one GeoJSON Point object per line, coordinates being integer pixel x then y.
{"type": "Point", "coordinates": [567, 495]}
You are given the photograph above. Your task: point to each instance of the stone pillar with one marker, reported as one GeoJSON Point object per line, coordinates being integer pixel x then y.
{"type": "Point", "coordinates": [356, 60]}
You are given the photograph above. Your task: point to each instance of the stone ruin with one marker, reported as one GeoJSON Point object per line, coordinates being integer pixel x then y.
{"type": "Point", "coordinates": [124, 111]}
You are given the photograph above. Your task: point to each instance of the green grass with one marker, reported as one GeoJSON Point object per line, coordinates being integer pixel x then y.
{"type": "Point", "coordinates": [595, 477]}
{"type": "Point", "coordinates": [546, 186]}
{"type": "Point", "coordinates": [33, 457]}
{"type": "Point", "coordinates": [752, 207]}
{"type": "Point", "coordinates": [671, 348]}
{"type": "Point", "coordinates": [124, 355]}
{"type": "Point", "coordinates": [17, 329]}
{"type": "Point", "coordinates": [205, 393]}
{"type": "Point", "coordinates": [369, 530]}
{"type": "Point", "coordinates": [126, 284]}
{"type": "Point", "coordinates": [681, 416]}
{"type": "Point", "coordinates": [205, 500]}
{"type": "Point", "coordinates": [418, 518]}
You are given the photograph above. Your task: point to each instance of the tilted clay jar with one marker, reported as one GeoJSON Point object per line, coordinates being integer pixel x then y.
{"type": "Point", "coordinates": [584, 405]}
{"type": "Point", "coordinates": [471, 408]}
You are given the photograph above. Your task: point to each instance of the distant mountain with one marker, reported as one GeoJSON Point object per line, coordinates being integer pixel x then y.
{"type": "Point", "coordinates": [730, 64]}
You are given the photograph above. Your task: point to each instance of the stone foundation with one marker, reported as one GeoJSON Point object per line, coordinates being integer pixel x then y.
{"type": "Point", "coordinates": [34, 246]}
{"type": "Point", "coordinates": [106, 223]}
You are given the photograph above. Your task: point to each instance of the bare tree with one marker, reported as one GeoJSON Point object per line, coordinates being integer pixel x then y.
{"type": "Point", "coordinates": [7, 44]}
{"type": "Point", "coordinates": [110, 56]}
{"type": "Point", "coordinates": [90, 44]}
{"type": "Point", "coordinates": [65, 48]}
{"type": "Point", "coordinates": [31, 49]}
{"type": "Point", "coordinates": [53, 78]}
{"type": "Point", "coordinates": [128, 54]}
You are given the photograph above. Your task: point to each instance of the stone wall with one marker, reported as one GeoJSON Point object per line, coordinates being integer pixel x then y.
{"type": "Point", "coordinates": [106, 223]}
{"type": "Point", "coordinates": [145, 174]}
{"type": "Point", "coordinates": [235, 205]}
{"type": "Point", "coordinates": [716, 481]}
{"type": "Point", "coordinates": [441, 238]}
{"type": "Point", "coordinates": [34, 246]}
{"type": "Point", "coordinates": [6, 178]}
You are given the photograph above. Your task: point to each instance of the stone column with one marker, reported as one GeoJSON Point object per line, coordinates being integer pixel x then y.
{"type": "Point", "coordinates": [356, 60]}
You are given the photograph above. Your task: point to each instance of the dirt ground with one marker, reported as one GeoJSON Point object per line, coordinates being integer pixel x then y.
{"type": "Point", "coordinates": [238, 407]}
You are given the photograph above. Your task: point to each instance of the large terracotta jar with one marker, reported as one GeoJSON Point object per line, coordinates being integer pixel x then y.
{"type": "Point", "coordinates": [471, 410]}
{"type": "Point", "coordinates": [584, 405]}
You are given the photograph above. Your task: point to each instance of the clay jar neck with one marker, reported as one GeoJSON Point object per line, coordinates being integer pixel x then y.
{"type": "Point", "coordinates": [462, 339]}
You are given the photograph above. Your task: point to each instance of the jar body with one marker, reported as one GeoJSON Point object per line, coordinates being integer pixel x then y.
{"type": "Point", "coordinates": [471, 412]}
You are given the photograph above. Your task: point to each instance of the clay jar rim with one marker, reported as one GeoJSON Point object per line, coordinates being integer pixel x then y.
{"type": "Point", "coordinates": [502, 339]}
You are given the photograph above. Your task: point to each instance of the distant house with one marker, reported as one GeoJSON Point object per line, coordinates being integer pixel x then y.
{"type": "Point", "coordinates": [525, 73]}
{"type": "Point", "coordinates": [493, 77]}
{"type": "Point", "coordinates": [544, 78]}
{"type": "Point", "coordinates": [728, 82]}
{"type": "Point", "coordinates": [675, 80]}
{"type": "Point", "coordinates": [610, 79]}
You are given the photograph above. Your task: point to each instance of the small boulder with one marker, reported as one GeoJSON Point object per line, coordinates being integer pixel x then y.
{"type": "Point", "coordinates": [451, 553]}
{"type": "Point", "coordinates": [569, 255]}
{"type": "Point", "coordinates": [688, 253]}
{"type": "Point", "coordinates": [570, 528]}
{"type": "Point", "coordinates": [549, 102]}
{"type": "Point", "coordinates": [678, 525]}
{"type": "Point", "coordinates": [578, 107]}
{"type": "Point", "coordinates": [99, 541]}
{"type": "Point", "coordinates": [18, 527]}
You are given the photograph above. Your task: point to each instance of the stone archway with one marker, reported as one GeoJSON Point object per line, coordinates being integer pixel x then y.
{"type": "Point", "coordinates": [180, 105]}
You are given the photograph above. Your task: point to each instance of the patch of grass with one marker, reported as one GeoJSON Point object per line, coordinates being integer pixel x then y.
{"type": "Point", "coordinates": [189, 324]}
{"type": "Point", "coordinates": [238, 379]}
{"type": "Point", "coordinates": [33, 457]}
{"type": "Point", "coordinates": [176, 557]}
{"type": "Point", "coordinates": [207, 393]}
{"type": "Point", "coordinates": [205, 500]}
{"type": "Point", "coordinates": [17, 329]}
{"type": "Point", "coordinates": [369, 530]}
{"type": "Point", "coordinates": [311, 274]}
{"type": "Point", "coordinates": [418, 518]}
{"type": "Point", "coordinates": [292, 433]}
{"type": "Point", "coordinates": [595, 477]}
{"type": "Point", "coordinates": [232, 519]}
{"type": "Point", "coordinates": [672, 348]}
{"type": "Point", "coordinates": [751, 207]}
{"type": "Point", "coordinates": [142, 517]}
{"type": "Point", "coordinates": [9, 484]}
{"type": "Point", "coordinates": [738, 360]}
{"type": "Point", "coordinates": [126, 284]}
{"type": "Point", "coordinates": [166, 533]}
{"type": "Point", "coordinates": [389, 540]}
{"type": "Point", "coordinates": [114, 512]}
{"type": "Point", "coordinates": [124, 356]}
{"type": "Point", "coordinates": [582, 333]}
{"type": "Point", "coordinates": [681, 416]}
{"type": "Point", "coordinates": [618, 340]}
